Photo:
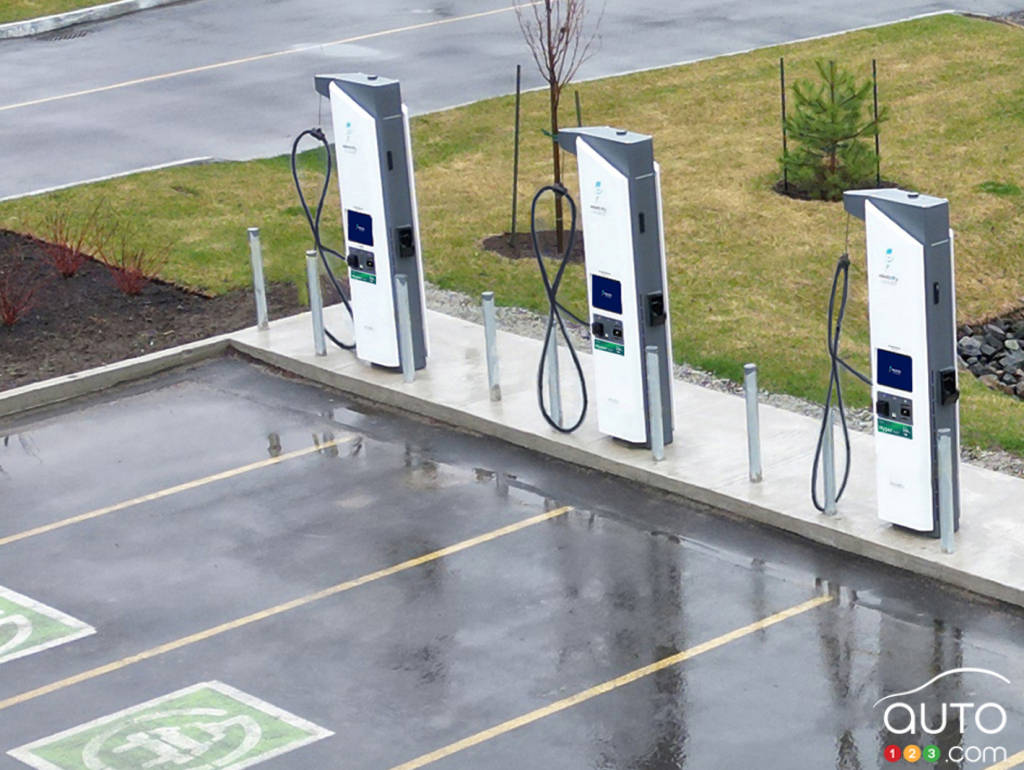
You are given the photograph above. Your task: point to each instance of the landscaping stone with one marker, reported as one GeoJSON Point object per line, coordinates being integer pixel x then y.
{"type": "Point", "coordinates": [1012, 344]}
{"type": "Point", "coordinates": [994, 351]}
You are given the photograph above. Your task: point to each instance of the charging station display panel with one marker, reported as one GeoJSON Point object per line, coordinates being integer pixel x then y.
{"type": "Point", "coordinates": [896, 300]}
{"type": "Point", "coordinates": [607, 231]}
{"type": "Point", "coordinates": [606, 294]}
{"type": "Point", "coordinates": [894, 370]}
{"type": "Point", "coordinates": [359, 228]}
{"type": "Point", "coordinates": [362, 197]}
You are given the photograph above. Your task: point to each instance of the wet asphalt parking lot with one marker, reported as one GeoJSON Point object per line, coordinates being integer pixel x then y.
{"type": "Point", "coordinates": [220, 567]}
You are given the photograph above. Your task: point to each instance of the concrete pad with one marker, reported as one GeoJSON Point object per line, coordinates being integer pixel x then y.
{"type": "Point", "coordinates": [707, 461]}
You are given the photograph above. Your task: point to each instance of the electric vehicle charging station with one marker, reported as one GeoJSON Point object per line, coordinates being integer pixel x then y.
{"type": "Point", "coordinates": [378, 203]}
{"type": "Point", "coordinates": [912, 309]}
{"type": "Point", "coordinates": [627, 287]}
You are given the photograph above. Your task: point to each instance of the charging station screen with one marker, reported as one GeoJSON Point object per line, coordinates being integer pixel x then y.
{"type": "Point", "coordinates": [606, 294]}
{"type": "Point", "coordinates": [895, 370]}
{"type": "Point", "coordinates": [359, 228]}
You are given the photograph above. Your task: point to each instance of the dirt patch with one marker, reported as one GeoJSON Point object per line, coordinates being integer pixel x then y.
{"type": "Point", "coordinates": [84, 321]}
{"type": "Point", "coordinates": [522, 247]}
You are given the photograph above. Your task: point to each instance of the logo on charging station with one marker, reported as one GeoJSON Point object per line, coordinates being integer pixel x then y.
{"type": "Point", "coordinates": [346, 144]}
{"type": "Point", "coordinates": [921, 712]}
{"type": "Point", "coordinates": [888, 273]}
{"type": "Point", "coordinates": [596, 204]}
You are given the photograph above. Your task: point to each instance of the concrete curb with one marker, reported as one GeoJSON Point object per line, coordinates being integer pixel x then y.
{"type": "Point", "coordinates": [900, 551]}
{"type": "Point", "coordinates": [29, 27]}
{"type": "Point", "coordinates": [58, 389]}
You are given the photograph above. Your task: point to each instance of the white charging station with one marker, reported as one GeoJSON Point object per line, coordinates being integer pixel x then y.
{"type": "Point", "coordinates": [620, 205]}
{"type": "Point", "coordinates": [378, 203]}
{"type": "Point", "coordinates": [912, 309]}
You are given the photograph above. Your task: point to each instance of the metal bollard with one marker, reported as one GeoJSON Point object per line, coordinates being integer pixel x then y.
{"type": "Point", "coordinates": [259, 287]}
{"type": "Point", "coordinates": [654, 403]}
{"type": "Point", "coordinates": [753, 422]}
{"type": "Point", "coordinates": [945, 460]}
{"type": "Point", "coordinates": [828, 459]}
{"type": "Point", "coordinates": [405, 354]}
{"type": "Point", "coordinates": [316, 303]}
{"type": "Point", "coordinates": [554, 381]}
{"type": "Point", "coordinates": [491, 341]}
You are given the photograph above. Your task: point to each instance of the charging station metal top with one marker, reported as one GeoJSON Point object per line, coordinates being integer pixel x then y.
{"type": "Point", "coordinates": [912, 312]}
{"type": "Point", "coordinates": [378, 200]}
{"type": "Point", "coordinates": [620, 205]}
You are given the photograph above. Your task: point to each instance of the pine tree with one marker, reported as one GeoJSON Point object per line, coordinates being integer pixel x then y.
{"type": "Point", "coordinates": [828, 127]}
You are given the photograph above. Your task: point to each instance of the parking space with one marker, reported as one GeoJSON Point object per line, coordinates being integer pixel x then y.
{"type": "Point", "coordinates": [252, 571]}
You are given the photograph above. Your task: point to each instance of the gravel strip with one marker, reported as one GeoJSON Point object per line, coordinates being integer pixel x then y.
{"type": "Point", "coordinates": [526, 323]}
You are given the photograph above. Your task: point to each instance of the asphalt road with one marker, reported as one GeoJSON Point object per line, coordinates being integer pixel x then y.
{"type": "Point", "coordinates": [445, 53]}
{"type": "Point", "coordinates": [415, 594]}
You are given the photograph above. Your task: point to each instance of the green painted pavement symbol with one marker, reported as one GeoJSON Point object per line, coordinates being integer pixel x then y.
{"type": "Point", "coordinates": [27, 627]}
{"type": "Point", "coordinates": [208, 726]}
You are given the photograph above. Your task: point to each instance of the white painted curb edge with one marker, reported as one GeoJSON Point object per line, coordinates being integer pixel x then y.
{"type": "Point", "coordinates": [42, 24]}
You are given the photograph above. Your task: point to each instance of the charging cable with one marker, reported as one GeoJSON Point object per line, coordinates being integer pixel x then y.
{"type": "Point", "coordinates": [314, 220]}
{"type": "Point", "coordinates": [836, 315]}
{"type": "Point", "coordinates": [555, 308]}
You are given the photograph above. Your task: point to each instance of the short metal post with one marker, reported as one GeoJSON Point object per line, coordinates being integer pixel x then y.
{"type": "Point", "coordinates": [828, 457]}
{"type": "Point", "coordinates": [491, 341]}
{"type": "Point", "coordinates": [753, 422]}
{"type": "Point", "coordinates": [405, 354]}
{"type": "Point", "coordinates": [554, 386]}
{"type": "Point", "coordinates": [259, 288]}
{"type": "Point", "coordinates": [945, 462]}
{"type": "Point", "coordinates": [316, 302]}
{"type": "Point", "coordinates": [654, 417]}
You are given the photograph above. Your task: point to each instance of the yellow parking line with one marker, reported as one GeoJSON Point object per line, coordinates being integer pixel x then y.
{"type": "Point", "coordinates": [303, 601]}
{"type": "Point", "coordinates": [260, 57]}
{"type": "Point", "coordinates": [79, 518]}
{"type": "Point", "coordinates": [612, 684]}
{"type": "Point", "coordinates": [1015, 761]}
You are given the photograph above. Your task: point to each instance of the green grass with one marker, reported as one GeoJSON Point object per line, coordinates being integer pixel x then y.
{"type": "Point", "coordinates": [749, 270]}
{"type": "Point", "coordinates": [16, 10]}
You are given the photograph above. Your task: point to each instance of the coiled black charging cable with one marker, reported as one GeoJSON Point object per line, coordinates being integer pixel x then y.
{"type": "Point", "coordinates": [840, 291]}
{"type": "Point", "coordinates": [555, 308]}
{"type": "Point", "coordinates": [314, 220]}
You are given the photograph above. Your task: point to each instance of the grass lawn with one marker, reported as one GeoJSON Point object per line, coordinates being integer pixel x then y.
{"type": "Point", "coordinates": [16, 10]}
{"type": "Point", "coordinates": [749, 270]}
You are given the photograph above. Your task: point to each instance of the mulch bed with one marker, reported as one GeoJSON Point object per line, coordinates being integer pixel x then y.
{"type": "Point", "coordinates": [85, 321]}
{"type": "Point", "coordinates": [522, 247]}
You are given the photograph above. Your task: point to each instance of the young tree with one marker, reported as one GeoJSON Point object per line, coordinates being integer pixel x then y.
{"type": "Point", "coordinates": [828, 125]}
{"type": "Point", "coordinates": [556, 33]}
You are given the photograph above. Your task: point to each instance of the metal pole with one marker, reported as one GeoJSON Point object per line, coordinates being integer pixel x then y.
{"type": "Point", "coordinates": [316, 302]}
{"type": "Point", "coordinates": [554, 387]}
{"type": "Point", "coordinates": [753, 422]}
{"type": "Point", "coordinates": [878, 157]}
{"type": "Point", "coordinates": [259, 288]}
{"type": "Point", "coordinates": [829, 463]}
{"type": "Point", "coordinates": [579, 111]}
{"type": "Point", "coordinates": [782, 84]}
{"type": "Point", "coordinates": [654, 403]}
{"type": "Point", "coordinates": [515, 157]}
{"type": "Point", "coordinates": [405, 353]}
{"type": "Point", "coordinates": [491, 341]}
{"type": "Point", "coordinates": [945, 460]}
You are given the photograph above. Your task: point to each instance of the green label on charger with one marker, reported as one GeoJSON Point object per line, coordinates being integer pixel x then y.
{"type": "Point", "coordinates": [359, 275]}
{"type": "Point", "coordinates": [611, 347]}
{"type": "Point", "coordinates": [895, 428]}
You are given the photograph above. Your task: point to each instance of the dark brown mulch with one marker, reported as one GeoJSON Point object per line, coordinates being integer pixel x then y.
{"type": "Point", "coordinates": [792, 191]}
{"type": "Point", "coordinates": [84, 321]}
{"type": "Point", "coordinates": [523, 246]}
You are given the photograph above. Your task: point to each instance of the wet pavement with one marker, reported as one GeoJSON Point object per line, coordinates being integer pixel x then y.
{"type": "Point", "coordinates": [318, 576]}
